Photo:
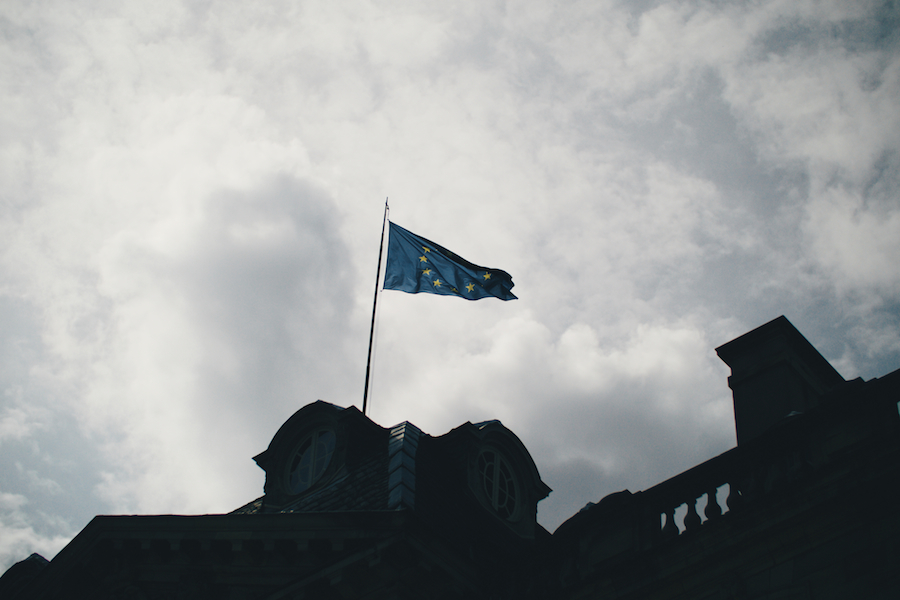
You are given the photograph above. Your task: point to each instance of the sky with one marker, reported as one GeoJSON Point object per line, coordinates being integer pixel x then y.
{"type": "Point", "coordinates": [192, 203]}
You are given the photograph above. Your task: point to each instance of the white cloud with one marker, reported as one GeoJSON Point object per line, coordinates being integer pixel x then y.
{"type": "Point", "coordinates": [192, 198]}
{"type": "Point", "coordinates": [14, 424]}
{"type": "Point", "coordinates": [39, 484]}
{"type": "Point", "coordinates": [859, 244]}
{"type": "Point", "coordinates": [18, 538]}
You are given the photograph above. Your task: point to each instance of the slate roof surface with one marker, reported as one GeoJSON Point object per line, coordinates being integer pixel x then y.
{"type": "Point", "coordinates": [383, 480]}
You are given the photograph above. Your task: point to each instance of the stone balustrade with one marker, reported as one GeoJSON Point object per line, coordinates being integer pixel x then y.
{"type": "Point", "coordinates": [746, 474]}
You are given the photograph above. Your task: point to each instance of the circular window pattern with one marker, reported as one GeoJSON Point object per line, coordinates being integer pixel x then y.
{"type": "Point", "coordinates": [310, 460]}
{"type": "Point", "coordinates": [499, 483]}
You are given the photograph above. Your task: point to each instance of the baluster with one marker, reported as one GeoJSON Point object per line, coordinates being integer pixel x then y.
{"type": "Point", "coordinates": [713, 510]}
{"type": "Point", "coordinates": [670, 530]}
{"type": "Point", "coordinates": [691, 519]}
{"type": "Point", "coordinates": [735, 498]}
{"type": "Point", "coordinates": [751, 485]}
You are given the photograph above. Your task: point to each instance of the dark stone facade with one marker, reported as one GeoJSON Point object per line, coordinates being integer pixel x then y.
{"type": "Point", "coordinates": [803, 507]}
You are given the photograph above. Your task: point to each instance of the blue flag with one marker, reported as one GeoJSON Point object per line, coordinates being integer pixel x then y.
{"type": "Point", "coordinates": [415, 265]}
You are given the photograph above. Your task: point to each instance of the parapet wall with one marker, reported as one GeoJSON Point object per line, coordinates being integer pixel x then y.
{"type": "Point", "coordinates": [805, 510]}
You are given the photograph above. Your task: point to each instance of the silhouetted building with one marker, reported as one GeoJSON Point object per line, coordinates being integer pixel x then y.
{"type": "Point", "coordinates": [804, 507]}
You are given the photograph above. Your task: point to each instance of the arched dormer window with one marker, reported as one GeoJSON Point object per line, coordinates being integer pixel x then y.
{"type": "Point", "coordinates": [501, 490]}
{"type": "Point", "coordinates": [502, 478]}
{"type": "Point", "coordinates": [317, 448]}
{"type": "Point", "coordinates": [310, 460]}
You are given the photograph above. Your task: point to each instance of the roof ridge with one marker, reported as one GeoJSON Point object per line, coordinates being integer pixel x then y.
{"type": "Point", "coordinates": [402, 445]}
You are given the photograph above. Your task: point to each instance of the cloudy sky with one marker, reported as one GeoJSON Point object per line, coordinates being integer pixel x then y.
{"type": "Point", "coordinates": [192, 198]}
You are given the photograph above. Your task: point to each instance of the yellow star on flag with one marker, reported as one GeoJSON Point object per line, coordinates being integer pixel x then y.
{"type": "Point", "coordinates": [487, 276]}
{"type": "Point", "coordinates": [437, 282]}
{"type": "Point", "coordinates": [427, 272]}
{"type": "Point", "coordinates": [470, 287]}
{"type": "Point", "coordinates": [423, 259]}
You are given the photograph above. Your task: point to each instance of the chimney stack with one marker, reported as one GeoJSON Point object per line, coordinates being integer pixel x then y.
{"type": "Point", "coordinates": [775, 371]}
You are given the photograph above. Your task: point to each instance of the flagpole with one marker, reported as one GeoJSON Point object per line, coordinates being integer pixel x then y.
{"type": "Point", "coordinates": [374, 306]}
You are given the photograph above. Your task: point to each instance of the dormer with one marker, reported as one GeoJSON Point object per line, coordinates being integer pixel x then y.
{"type": "Point", "coordinates": [474, 479]}
{"type": "Point", "coordinates": [320, 445]}
{"type": "Point", "coordinates": [492, 475]}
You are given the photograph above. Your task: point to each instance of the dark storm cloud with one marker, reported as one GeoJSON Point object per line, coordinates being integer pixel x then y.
{"type": "Point", "coordinates": [259, 294]}
{"type": "Point", "coordinates": [271, 281]}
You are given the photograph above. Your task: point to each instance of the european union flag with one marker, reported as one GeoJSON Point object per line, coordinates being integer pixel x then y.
{"type": "Point", "coordinates": [415, 265]}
